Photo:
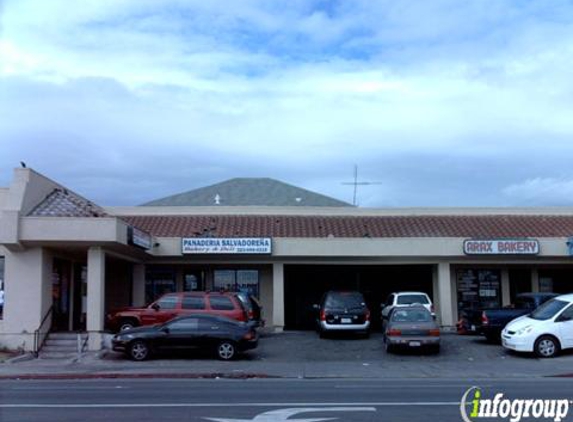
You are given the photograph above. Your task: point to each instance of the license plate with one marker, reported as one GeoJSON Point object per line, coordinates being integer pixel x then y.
{"type": "Point", "coordinates": [473, 327]}
{"type": "Point", "coordinates": [414, 344]}
{"type": "Point", "coordinates": [346, 320]}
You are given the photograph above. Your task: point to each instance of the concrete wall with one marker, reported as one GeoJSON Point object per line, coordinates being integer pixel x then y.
{"type": "Point", "coordinates": [28, 296]}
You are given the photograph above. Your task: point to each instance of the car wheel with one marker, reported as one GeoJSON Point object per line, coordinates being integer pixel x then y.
{"type": "Point", "coordinates": [139, 350]}
{"type": "Point", "coordinates": [226, 350]}
{"type": "Point", "coordinates": [389, 348]}
{"type": "Point", "coordinates": [322, 333]}
{"type": "Point", "coordinates": [366, 334]}
{"type": "Point", "coordinates": [127, 324]}
{"type": "Point", "coordinates": [435, 349]}
{"type": "Point", "coordinates": [546, 347]}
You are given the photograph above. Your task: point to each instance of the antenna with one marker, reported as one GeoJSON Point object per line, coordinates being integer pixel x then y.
{"type": "Point", "coordinates": [356, 183]}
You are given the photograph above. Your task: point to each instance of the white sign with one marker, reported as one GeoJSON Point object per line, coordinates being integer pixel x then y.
{"type": "Point", "coordinates": [231, 245]}
{"type": "Point", "coordinates": [501, 247]}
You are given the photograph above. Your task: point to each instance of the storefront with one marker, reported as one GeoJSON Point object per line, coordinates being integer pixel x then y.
{"type": "Point", "coordinates": [70, 262]}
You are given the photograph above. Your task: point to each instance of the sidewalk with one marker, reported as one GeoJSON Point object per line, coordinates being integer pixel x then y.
{"type": "Point", "coordinates": [304, 355]}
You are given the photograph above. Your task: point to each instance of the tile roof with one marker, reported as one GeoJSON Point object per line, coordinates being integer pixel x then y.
{"type": "Point", "coordinates": [487, 226]}
{"type": "Point", "coordinates": [250, 191]}
{"type": "Point", "coordinates": [62, 203]}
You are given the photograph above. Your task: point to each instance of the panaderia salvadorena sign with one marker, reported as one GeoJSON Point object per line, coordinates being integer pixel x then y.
{"type": "Point", "coordinates": [501, 247]}
{"type": "Point", "coordinates": [229, 245]}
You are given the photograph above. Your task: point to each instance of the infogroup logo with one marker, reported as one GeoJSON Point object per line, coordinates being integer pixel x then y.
{"type": "Point", "coordinates": [474, 407]}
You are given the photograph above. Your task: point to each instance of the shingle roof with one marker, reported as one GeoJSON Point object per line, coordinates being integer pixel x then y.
{"type": "Point", "coordinates": [249, 191]}
{"type": "Point", "coordinates": [492, 226]}
{"type": "Point", "coordinates": [62, 203]}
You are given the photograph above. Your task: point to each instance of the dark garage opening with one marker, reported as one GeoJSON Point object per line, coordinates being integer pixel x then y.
{"type": "Point", "coordinates": [305, 285]}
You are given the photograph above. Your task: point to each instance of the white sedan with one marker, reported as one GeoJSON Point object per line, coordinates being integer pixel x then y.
{"type": "Point", "coordinates": [545, 331]}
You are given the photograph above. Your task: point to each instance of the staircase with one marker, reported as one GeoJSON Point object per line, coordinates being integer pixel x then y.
{"type": "Point", "coordinates": [63, 345]}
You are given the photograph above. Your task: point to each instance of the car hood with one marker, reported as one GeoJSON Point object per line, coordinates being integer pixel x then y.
{"type": "Point", "coordinates": [521, 322]}
{"type": "Point", "coordinates": [140, 330]}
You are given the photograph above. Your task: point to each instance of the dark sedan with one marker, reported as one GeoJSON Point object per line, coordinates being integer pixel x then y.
{"type": "Point", "coordinates": [224, 336]}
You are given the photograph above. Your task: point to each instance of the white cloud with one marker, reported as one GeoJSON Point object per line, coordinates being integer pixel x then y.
{"type": "Point", "coordinates": [542, 191]}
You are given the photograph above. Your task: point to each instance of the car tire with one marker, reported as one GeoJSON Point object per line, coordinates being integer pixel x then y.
{"type": "Point", "coordinates": [389, 348]}
{"type": "Point", "coordinates": [127, 324]}
{"type": "Point", "coordinates": [139, 350]}
{"type": "Point", "coordinates": [546, 347]}
{"type": "Point", "coordinates": [226, 350]}
{"type": "Point", "coordinates": [366, 335]}
{"type": "Point", "coordinates": [321, 333]}
{"type": "Point", "coordinates": [435, 350]}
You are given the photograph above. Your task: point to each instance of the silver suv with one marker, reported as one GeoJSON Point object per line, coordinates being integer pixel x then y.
{"type": "Point", "coordinates": [401, 299]}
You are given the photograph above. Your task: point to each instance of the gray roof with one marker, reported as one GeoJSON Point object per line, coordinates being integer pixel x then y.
{"type": "Point", "coordinates": [63, 203]}
{"type": "Point", "coordinates": [247, 192]}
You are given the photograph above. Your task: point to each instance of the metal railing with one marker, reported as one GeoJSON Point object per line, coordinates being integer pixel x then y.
{"type": "Point", "coordinates": [41, 333]}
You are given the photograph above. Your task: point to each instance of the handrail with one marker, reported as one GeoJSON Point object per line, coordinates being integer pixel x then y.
{"type": "Point", "coordinates": [84, 344]}
{"type": "Point", "coordinates": [39, 342]}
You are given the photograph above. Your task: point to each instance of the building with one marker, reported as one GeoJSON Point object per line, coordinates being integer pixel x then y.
{"type": "Point", "coordinates": [65, 261]}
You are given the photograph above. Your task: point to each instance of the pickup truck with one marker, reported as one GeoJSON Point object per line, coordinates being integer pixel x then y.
{"type": "Point", "coordinates": [494, 320]}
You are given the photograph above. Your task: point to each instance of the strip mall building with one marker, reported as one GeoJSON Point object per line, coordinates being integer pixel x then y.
{"type": "Point", "coordinates": [65, 262]}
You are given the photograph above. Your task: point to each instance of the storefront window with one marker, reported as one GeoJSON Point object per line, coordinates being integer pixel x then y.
{"type": "Point", "coordinates": [158, 283]}
{"type": "Point", "coordinates": [478, 289]}
{"type": "Point", "coordinates": [237, 281]}
{"type": "Point", "coordinates": [1, 287]}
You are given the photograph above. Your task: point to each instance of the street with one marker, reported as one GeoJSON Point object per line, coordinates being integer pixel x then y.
{"type": "Point", "coordinates": [260, 400]}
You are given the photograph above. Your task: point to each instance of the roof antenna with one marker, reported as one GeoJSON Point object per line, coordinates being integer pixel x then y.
{"type": "Point", "coordinates": [356, 183]}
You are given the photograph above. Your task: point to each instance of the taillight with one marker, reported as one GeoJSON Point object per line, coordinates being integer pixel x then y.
{"type": "Point", "coordinates": [434, 332]}
{"type": "Point", "coordinates": [484, 319]}
{"type": "Point", "coordinates": [249, 336]}
{"type": "Point", "coordinates": [322, 315]}
{"type": "Point", "coordinates": [394, 332]}
{"type": "Point", "coordinates": [367, 317]}
{"type": "Point", "coordinates": [432, 309]}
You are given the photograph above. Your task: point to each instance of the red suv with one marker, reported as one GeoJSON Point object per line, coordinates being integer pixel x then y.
{"type": "Point", "coordinates": [172, 305]}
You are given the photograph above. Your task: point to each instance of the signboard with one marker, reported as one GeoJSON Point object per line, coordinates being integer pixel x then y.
{"type": "Point", "coordinates": [231, 245]}
{"type": "Point", "coordinates": [138, 238]}
{"type": "Point", "coordinates": [501, 247]}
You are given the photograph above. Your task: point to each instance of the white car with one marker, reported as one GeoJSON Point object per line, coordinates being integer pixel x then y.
{"type": "Point", "coordinates": [546, 331]}
{"type": "Point", "coordinates": [401, 299]}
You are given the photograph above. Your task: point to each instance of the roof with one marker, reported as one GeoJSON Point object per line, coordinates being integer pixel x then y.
{"type": "Point", "coordinates": [63, 203]}
{"type": "Point", "coordinates": [248, 192]}
{"type": "Point", "coordinates": [472, 226]}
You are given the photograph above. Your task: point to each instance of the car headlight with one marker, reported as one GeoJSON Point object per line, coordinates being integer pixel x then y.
{"type": "Point", "coordinates": [525, 330]}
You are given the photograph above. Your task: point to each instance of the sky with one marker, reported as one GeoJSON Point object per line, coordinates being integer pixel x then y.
{"type": "Point", "coordinates": [441, 103]}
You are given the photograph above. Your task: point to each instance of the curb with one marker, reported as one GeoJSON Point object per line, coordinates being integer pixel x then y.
{"type": "Point", "coordinates": [118, 375]}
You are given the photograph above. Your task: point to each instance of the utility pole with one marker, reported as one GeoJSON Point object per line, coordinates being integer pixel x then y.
{"type": "Point", "coordinates": [357, 183]}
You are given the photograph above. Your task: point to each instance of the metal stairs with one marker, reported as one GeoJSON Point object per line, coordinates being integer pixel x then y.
{"type": "Point", "coordinates": [63, 345]}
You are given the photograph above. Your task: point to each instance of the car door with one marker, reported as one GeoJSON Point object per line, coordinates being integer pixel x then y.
{"type": "Point", "coordinates": [182, 333]}
{"type": "Point", "coordinates": [565, 324]}
{"type": "Point", "coordinates": [161, 311]}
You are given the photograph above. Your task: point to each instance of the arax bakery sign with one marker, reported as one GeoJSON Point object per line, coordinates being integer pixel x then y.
{"type": "Point", "coordinates": [501, 247]}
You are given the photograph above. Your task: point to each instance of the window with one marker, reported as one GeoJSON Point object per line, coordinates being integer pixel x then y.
{"type": "Point", "coordinates": [567, 313]}
{"type": "Point", "coordinates": [193, 302]}
{"type": "Point", "coordinates": [187, 324]}
{"type": "Point", "coordinates": [221, 303]}
{"type": "Point", "coordinates": [246, 281]}
{"type": "Point", "coordinates": [411, 299]}
{"type": "Point", "coordinates": [168, 302]}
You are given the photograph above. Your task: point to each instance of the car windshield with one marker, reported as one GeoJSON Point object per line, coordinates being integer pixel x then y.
{"type": "Point", "coordinates": [410, 299]}
{"type": "Point", "coordinates": [344, 300]}
{"type": "Point", "coordinates": [548, 310]}
{"type": "Point", "coordinates": [411, 315]}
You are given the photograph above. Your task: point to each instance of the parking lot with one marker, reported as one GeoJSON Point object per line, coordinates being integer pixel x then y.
{"type": "Point", "coordinates": [304, 354]}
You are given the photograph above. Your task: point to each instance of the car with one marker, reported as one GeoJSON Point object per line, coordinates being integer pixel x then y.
{"type": "Point", "coordinates": [403, 299]}
{"type": "Point", "coordinates": [343, 311]}
{"type": "Point", "coordinates": [494, 320]}
{"type": "Point", "coordinates": [223, 336]}
{"type": "Point", "coordinates": [546, 331]}
{"type": "Point", "coordinates": [411, 327]}
{"type": "Point", "coordinates": [172, 305]}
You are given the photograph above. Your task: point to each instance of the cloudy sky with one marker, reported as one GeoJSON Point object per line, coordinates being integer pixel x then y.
{"type": "Point", "coordinates": [441, 102]}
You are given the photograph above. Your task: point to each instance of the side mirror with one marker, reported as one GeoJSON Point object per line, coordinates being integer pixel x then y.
{"type": "Point", "coordinates": [155, 306]}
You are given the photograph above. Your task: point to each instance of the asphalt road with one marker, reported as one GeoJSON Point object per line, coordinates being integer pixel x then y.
{"type": "Point", "coordinates": [259, 400]}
